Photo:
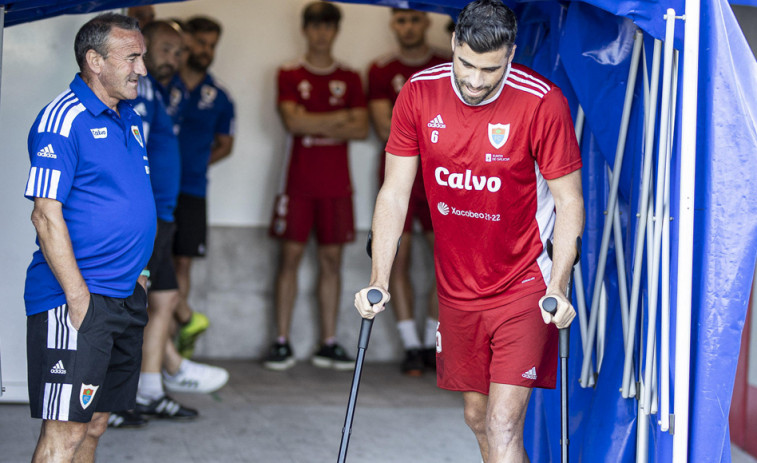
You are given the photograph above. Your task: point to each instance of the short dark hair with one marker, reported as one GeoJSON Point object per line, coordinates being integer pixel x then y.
{"type": "Point", "coordinates": [321, 13]}
{"type": "Point", "coordinates": [486, 25]}
{"type": "Point", "coordinates": [157, 27]}
{"type": "Point", "coordinates": [94, 34]}
{"type": "Point", "coordinates": [202, 24]}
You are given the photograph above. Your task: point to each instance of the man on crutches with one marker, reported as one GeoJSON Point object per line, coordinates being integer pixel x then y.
{"type": "Point", "coordinates": [501, 168]}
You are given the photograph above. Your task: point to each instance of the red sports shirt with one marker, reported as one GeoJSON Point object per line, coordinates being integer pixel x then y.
{"type": "Point", "coordinates": [386, 76]}
{"type": "Point", "coordinates": [484, 168]}
{"type": "Point", "coordinates": [318, 166]}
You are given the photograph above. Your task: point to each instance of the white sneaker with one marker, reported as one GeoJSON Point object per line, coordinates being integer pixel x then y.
{"type": "Point", "coordinates": [196, 377]}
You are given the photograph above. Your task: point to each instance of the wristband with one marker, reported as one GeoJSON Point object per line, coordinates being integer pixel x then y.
{"type": "Point", "coordinates": [145, 273]}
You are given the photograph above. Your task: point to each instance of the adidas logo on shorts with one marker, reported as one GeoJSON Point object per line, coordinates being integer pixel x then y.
{"type": "Point", "coordinates": [530, 374]}
{"type": "Point", "coordinates": [58, 369]}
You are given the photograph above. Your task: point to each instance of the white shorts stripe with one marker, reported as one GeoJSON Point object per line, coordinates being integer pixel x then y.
{"type": "Point", "coordinates": [56, 402]}
{"type": "Point", "coordinates": [60, 333]}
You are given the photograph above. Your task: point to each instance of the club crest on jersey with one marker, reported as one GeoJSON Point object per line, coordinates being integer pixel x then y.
{"type": "Point", "coordinates": [135, 132]}
{"type": "Point", "coordinates": [208, 95]}
{"type": "Point", "coordinates": [304, 87]}
{"type": "Point", "coordinates": [87, 395]}
{"type": "Point", "coordinates": [337, 87]}
{"type": "Point", "coordinates": [498, 134]}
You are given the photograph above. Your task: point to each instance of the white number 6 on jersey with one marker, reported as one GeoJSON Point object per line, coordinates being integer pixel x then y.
{"type": "Point", "coordinates": [434, 136]}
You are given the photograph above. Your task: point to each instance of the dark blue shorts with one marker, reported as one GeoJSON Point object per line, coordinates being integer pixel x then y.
{"type": "Point", "coordinates": [73, 374]}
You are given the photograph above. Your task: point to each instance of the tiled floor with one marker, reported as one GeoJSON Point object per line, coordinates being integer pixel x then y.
{"type": "Point", "coordinates": [290, 417]}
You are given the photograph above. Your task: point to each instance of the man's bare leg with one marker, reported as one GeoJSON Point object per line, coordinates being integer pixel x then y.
{"type": "Point", "coordinates": [329, 287]}
{"type": "Point", "coordinates": [183, 266]}
{"type": "Point", "coordinates": [157, 332]}
{"type": "Point", "coordinates": [64, 441]}
{"type": "Point", "coordinates": [95, 429]}
{"type": "Point", "coordinates": [497, 421]}
{"type": "Point", "coordinates": [286, 284]}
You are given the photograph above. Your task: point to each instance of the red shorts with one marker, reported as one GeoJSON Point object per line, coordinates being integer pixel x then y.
{"type": "Point", "coordinates": [295, 216]}
{"type": "Point", "coordinates": [506, 345]}
{"type": "Point", "coordinates": [417, 207]}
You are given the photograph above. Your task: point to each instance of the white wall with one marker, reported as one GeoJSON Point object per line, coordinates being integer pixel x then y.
{"type": "Point", "coordinates": [258, 36]}
{"type": "Point", "coordinates": [38, 63]}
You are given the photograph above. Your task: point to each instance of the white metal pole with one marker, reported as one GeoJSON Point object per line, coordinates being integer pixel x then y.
{"type": "Point", "coordinates": [665, 295]}
{"type": "Point", "coordinates": [587, 379]}
{"type": "Point", "coordinates": [686, 230]}
{"type": "Point", "coordinates": [602, 326]}
{"type": "Point", "coordinates": [642, 222]}
{"type": "Point", "coordinates": [577, 273]}
{"type": "Point", "coordinates": [662, 163]}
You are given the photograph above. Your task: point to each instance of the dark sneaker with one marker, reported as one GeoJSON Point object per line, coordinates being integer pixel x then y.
{"type": "Point", "coordinates": [413, 363]}
{"type": "Point", "coordinates": [279, 357]}
{"type": "Point", "coordinates": [333, 356]}
{"type": "Point", "coordinates": [429, 358]}
{"type": "Point", "coordinates": [126, 419]}
{"type": "Point", "coordinates": [166, 407]}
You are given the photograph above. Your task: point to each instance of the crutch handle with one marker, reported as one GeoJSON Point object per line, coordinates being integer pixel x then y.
{"type": "Point", "coordinates": [550, 306]}
{"type": "Point", "coordinates": [374, 297]}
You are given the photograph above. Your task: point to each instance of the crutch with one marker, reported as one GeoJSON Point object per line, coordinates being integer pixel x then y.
{"type": "Point", "coordinates": [374, 297]}
{"type": "Point", "coordinates": [550, 305]}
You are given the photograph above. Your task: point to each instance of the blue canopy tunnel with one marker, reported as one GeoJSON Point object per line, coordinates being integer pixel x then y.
{"type": "Point", "coordinates": [621, 407]}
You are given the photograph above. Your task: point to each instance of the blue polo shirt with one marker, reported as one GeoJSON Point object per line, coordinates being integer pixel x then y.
{"type": "Point", "coordinates": [92, 160]}
{"type": "Point", "coordinates": [162, 148]}
{"type": "Point", "coordinates": [175, 98]}
{"type": "Point", "coordinates": [208, 111]}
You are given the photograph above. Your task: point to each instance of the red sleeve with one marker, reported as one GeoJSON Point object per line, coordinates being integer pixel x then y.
{"type": "Point", "coordinates": [287, 87]}
{"type": "Point", "coordinates": [357, 95]}
{"type": "Point", "coordinates": [378, 87]}
{"type": "Point", "coordinates": [403, 138]}
{"type": "Point", "coordinates": [553, 137]}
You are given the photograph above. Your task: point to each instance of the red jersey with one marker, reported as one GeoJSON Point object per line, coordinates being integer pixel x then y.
{"type": "Point", "coordinates": [386, 77]}
{"type": "Point", "coordinates": [318, 165]}
{"type": "Point", "coordinates": [484, 168]}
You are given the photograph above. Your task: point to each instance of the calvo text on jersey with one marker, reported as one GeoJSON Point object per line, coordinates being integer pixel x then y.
{"type": "Point", "coordinates": [466, 180]}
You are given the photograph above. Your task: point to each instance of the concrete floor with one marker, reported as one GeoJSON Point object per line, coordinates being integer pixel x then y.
{"type": "Point", "coordinates": [295, 416]}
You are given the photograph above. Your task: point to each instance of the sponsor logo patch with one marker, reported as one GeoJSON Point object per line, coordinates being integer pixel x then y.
{"type": "Point", "coordinates": [443, 208]}
{"type": "Point", "coordinates": [466, 180]}
{"type": "Point", "coordinates": [530, 374]}
{"type": "Point", "coordinates": [100, 133]}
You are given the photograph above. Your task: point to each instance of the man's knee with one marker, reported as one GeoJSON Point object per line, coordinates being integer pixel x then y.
{"type": "Point", "coordinates": [505, 424]}
{"type": "Point", "coordinates": [98, 425]}
{"type": "Point", "coordinates": [475, 418]}
{"type": "Point", "coordinates": [330, 260]}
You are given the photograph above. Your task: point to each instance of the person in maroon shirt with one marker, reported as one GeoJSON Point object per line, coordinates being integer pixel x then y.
{"type": "Point", "coordinates": [386, 76]}
{"type": "Point", "coordinates": [502, 172]}
{"type": "Point", "coordinates": [322, 106]}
